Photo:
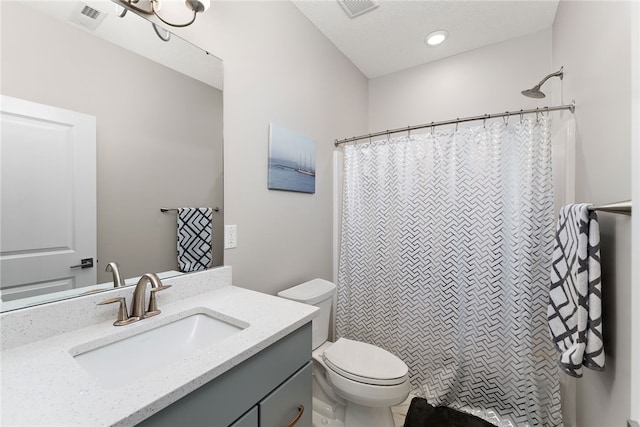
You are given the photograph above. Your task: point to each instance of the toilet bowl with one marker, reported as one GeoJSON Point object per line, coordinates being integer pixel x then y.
{"type": "Point", "coordinates": [367, 380]}
{"type": "Point", "coordinates": [365, 374]}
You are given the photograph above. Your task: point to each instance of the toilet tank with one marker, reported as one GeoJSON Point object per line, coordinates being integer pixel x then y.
{"type": "Point", "coordinates": [317, 292]}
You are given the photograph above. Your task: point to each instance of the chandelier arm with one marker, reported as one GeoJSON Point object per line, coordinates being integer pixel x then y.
{"type": "Point", "coordinates": [164, 38]}
{"type": "Point", "coordinates": [130, 4]}
{"type": "Point", "coordinates": [153, 8]}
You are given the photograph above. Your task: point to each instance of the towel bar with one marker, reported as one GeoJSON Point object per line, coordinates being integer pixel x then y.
{"type": "Point", "coordinates": [623, 208]}
{"type": "Point", "coordinates": [176, 210]}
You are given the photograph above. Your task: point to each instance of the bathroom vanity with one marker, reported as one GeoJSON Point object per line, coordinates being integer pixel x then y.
{"type": "Point", "coordinates": [256, 374]}
{"type": "Point", "coordinates": [270, 389]}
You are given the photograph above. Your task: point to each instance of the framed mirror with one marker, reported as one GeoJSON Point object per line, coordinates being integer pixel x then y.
{"type": "Point", "coordinates": [156, 107]}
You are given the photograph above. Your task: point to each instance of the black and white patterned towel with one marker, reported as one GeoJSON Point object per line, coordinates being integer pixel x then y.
{"type": "Point", "coordinates": [194, 238]}
{"type": "Point", "coordinates": [575, 312]}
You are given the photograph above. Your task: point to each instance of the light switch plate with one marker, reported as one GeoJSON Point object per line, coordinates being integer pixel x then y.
{"type": "Point", "coordinates": [230, 237]}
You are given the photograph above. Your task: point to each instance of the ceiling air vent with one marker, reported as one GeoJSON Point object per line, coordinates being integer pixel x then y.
{"type": "Point", "coordinates": [90, 12]}
{"type": "Point", "coordinates": [86, 16]}
{"type": "Point", "coordinates": [355, 8]}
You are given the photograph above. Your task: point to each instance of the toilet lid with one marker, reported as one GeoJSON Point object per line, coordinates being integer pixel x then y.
{"type": "Point", "coordinates": [365, 363]}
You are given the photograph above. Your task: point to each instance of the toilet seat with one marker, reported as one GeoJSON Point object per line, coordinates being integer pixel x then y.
{"type": "Point", "coordinates": [365, 363]}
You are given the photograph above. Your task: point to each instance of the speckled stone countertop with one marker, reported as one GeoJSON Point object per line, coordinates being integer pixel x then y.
{"type": "Point", "coordinates": [42, 384]}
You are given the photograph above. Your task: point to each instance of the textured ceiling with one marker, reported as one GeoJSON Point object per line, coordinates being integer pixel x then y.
{"type": "Point", "coordinates": [391, 37]}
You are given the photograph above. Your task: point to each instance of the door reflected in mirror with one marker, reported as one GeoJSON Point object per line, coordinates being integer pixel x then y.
{"type": "Point", "coordinates": [158, 141]}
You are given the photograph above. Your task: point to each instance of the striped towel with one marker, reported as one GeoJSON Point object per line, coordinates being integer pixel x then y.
{"type": "Point", "coordinates": [194, 238]}
{"type": "Point", "coordinates": [574, 312]}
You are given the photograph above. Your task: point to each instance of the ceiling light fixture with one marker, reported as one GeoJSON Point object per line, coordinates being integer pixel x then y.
{"type": "Point", "coordinates": [195, 6]}
{"type": "Point", "coordinates": [434, 38]}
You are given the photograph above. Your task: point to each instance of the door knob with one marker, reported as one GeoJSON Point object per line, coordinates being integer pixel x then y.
{"type": "Point", "coordinates": [84, 263]}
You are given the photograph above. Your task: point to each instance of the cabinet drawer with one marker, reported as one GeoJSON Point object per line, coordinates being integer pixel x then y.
{"type": "Point", "coordinates": [282, 406]}
{"type": "Point", "coordinates": [250, 419]}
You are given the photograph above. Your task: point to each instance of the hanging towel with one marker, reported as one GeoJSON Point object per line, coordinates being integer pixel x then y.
{"type": "Point", "coordinates": [575, 309]}
{"type": "Point", "coordinates": [194, 238]}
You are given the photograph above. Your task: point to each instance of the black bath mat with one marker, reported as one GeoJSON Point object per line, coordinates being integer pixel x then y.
{"type": "Point", "coordinates": [421, 414]}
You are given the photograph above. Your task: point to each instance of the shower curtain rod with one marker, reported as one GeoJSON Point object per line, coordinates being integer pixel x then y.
{"type": "Point", "coordinates": [571, 107]}
{"type": "Point", "coordinates": [623, 208]}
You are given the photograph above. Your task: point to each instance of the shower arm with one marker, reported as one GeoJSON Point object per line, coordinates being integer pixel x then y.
{"type": "Point", "coordinates": [559, 73]}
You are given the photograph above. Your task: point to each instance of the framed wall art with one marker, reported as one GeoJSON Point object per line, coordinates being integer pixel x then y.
{"type": "Point", "coordinates": [292, 161]}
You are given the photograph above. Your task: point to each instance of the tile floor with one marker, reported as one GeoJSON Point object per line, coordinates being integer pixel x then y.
{"type": "Point", "coordinates": [399, 414]}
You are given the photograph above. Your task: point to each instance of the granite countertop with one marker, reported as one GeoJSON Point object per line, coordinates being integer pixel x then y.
{"type": "Point", "coordinates": [42, 384]}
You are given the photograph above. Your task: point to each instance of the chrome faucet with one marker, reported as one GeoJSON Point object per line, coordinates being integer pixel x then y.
{"type": "Point", "coordinates": [117, 277]}
{"type": "Point", "coordinates": [138, 310]}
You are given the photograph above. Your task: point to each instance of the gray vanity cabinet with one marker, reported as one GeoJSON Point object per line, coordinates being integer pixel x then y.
{"type": "Point", "coordinates": [265, 390]}
{"type": "Point", "coordinates": [250, 419]}
{"type": "Point", "coordinates": [288, 401]}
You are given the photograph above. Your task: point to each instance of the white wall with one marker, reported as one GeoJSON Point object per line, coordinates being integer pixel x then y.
{"type": "Point", "coordinates": [485, 80]}
{"type": "Point", "coordinates": [593, 41]}
{"type": "Point", "coordinates": [280, 68]}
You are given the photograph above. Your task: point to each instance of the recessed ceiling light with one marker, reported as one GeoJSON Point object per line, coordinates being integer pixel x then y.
{"type": "Point", "coordinates": [436, 37]}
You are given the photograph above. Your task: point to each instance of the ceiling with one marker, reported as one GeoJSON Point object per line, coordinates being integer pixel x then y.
{"type": "Point", "coordinates": [390, 38]}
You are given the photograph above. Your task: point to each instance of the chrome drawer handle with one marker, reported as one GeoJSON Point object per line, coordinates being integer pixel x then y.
{"type": "Point", "coordinates": [297, 418]}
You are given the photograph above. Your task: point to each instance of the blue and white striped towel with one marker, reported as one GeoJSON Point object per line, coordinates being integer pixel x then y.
{"type": "Point", "coordinates": [574, 312]}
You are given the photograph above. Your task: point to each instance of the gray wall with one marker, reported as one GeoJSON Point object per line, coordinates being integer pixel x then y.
{"type": "Point", "coordinates": [593, 42]}
{"type": "Point", "coordinates": [484, 80]}
{"type": "Point", "coordinates": [159, 133]}
{"type": "Point", "coordinates": [279, 68]}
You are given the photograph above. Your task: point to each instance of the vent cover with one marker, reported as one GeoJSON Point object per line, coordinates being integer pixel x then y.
{"type": "Point", "coordinates": [355, 8]}
{"type": "Point", "coordinates": [86, 16]}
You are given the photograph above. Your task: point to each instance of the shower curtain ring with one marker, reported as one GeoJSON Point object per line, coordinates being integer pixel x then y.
{"type": "Point", "coordinates": [537, 115]}
{"type": "Point", "coordinates": [521, 115]}
{"type": "Point", "coordinates": [432, 128]}
{"type": "Point", "coordinates": [388, 134]}
{"type": "Point", "coordinates": [408, 131]}
{"type": "Point", "coordinates": [457, 123]}
{"type": "Point", "coordinates": [484, 121]}
{"type": "Point", "coordinates": [505, 118]}
{"type": "Point", "coordinates": [547, 109]}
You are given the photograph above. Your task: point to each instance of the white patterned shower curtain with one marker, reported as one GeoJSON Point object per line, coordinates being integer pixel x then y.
{"type": "Point", "coordinates": [445, 255]}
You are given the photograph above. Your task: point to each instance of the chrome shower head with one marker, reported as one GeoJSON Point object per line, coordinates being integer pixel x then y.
{"type": "Point", "coordinates": [535, 91]}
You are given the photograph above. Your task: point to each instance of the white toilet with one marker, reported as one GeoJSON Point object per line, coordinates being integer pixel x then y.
{"type": "Point", "coordinates": [361, 381]}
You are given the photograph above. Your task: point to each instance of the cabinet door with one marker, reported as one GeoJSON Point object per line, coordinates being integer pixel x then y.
{"type": "Point", "coordinates": [250, 419]}
{"type": "Point", "coordinates": [290, 401]}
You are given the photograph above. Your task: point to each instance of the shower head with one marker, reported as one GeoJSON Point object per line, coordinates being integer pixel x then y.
{"type": "Point", "coordinates": [535, 91]}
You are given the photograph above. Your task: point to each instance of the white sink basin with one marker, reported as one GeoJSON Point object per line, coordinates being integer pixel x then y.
{"type": "Point", "coordinates": [117, 364]}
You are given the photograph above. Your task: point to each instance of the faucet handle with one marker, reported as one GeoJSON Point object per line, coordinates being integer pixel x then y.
{"type": "Point", "coordinates": [153, 306]}
{"type": "Point", "coordinates": [123, 314]}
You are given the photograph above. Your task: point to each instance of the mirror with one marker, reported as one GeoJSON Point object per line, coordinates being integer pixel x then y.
{"type": "Point", "coordinates": [158, 128]}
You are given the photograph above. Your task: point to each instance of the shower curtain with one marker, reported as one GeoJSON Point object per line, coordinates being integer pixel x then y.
{"type": "Point", "coordinates": [445, 254]}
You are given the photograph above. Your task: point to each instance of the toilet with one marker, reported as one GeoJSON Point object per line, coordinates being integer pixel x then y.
{"type": "Point", "coordinates": [355, 383]}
